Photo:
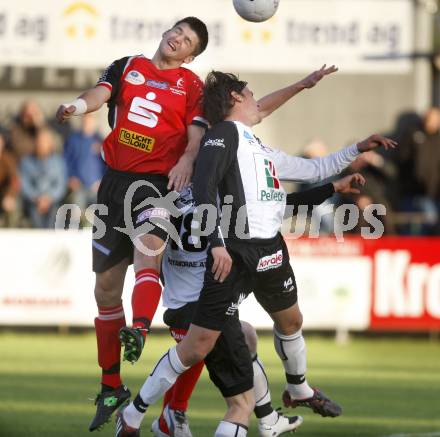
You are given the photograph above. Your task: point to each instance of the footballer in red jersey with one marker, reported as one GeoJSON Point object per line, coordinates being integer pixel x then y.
{"type": "Point", "coordinates": [150, 110]}
{"type": "Point", "coordinates": [157, 124]}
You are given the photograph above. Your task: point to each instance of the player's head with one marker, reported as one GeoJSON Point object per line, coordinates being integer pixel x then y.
{"type": "Point", "coordinates": [226, 96]}
{"type": "Point", "coordinates": [185, 40]}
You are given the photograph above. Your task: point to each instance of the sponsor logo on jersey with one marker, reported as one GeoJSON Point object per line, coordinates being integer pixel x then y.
{"type": "Point", "coordinates": [158, 84]}
{"type": "Point", "coordinates": [186, 264]}
{"type": "Point", "coordinates": [216, 142]}
{"type": "Point", "coordinates": [269, 188]}
{"type": "Point", "coordinates": [178, 91]}
{"type": "Point", "coordinates": [135, 78]}
{"type": "Point", "coordinates": [153, 212]}
{"type": "Point", "coordinates": [136, 140]}
{"type": "Point", "coordinates": [232, 309]}
{"type": "Point", "coordinates": [270, 261]}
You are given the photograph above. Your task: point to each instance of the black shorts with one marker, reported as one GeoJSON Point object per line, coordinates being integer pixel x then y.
{"type": "Point", "coordinates": [113, 245]}
{"type": "Point", "coordinates": [262, 266]}
{"type": "Point", "coordinates": [229, 363]}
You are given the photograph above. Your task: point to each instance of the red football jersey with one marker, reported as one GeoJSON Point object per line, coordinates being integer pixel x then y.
{"type": "Point", "coordinates": [149, 111]}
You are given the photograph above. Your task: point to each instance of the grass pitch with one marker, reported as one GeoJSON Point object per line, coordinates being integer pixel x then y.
{"type": "Point", "coordinates": [386, 387]}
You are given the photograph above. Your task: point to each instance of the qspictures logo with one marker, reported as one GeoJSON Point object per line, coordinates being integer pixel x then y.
{"type": "Point", "coordinates": [136, 140]}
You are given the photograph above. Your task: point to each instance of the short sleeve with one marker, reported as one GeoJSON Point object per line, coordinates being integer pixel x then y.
{"type": "Point", "coordinates": [111, 76]}
{"type": "Point", "coordinates": [194, 114]}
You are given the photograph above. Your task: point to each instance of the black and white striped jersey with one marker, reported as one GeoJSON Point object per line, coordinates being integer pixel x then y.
{"type": "Point", "coordinates": [246, 174]}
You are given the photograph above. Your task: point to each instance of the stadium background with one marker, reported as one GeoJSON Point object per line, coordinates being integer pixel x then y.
{"type": "Point", "coordinates": [386, 52]}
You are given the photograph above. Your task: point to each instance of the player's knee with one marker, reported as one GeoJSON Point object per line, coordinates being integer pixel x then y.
{"type": "Point", "coordinates": [290, 326]}
{"type": "Point", "coordinates": [107, 290]}
{"type": "Point", "coordinates": [250, 336]}
{"type": "Point", "coordinates": [151, 257]}
{"type": "Point", "coordinates": [202, 348]}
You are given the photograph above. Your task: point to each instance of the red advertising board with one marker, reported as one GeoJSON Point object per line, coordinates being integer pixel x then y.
{"type": "Point", "coordinates": [405, 276]}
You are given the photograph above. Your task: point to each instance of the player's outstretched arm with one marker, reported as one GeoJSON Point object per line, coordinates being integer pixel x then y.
{"type": "Point", "coordinates": [349, 184]}
{"type": "Point", "coordinates": [273, 101]}
{"type": "Point", "coordinates": [317, 195]}
{"type": "Point", "coordinates": [89, 101]}
{"type": "Point", "coordinates": [375, 141]}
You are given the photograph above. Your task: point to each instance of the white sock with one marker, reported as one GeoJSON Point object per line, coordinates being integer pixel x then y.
{"type": "Point", "coordinates": [132, 416]}
{"type": "Point", "coordinates": [292, 351]}
{"type": "Point", "coordinates": [263, 407]}
{"type": "Point", "coordinates": [261, 384]}
{"type": "Point", "coordinates": [228, 429]}
{"type": "Point", "coordinates": [163, 376]}
{"type": "Point", "coordinates": [270, 419]}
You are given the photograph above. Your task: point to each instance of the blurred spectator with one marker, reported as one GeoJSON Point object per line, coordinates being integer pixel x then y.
{"type": "Point", "coordinates": [24, 130]}
{"type": "Point", "coordinates": [419, 177]}
{"type": "Point", "coordinates": [379, 173]}
{"type": "Point", "coordinates": [321, 220]}
{"type": "Point", "coordinates": [9, 187]}
{"type": "Point", "coordinates": [85, 167]}
{"type": "Point", "coordinates": [43, 181]}
{"type": "Point", "coordinates": [427, 167]}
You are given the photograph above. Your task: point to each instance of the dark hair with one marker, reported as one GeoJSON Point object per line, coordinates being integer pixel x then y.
{"type": "Point", "coordinates": [199, 27]}
{"type": "Point", "coordinates": [217, 100]}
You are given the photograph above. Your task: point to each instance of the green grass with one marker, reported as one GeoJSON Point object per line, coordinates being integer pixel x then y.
{"type": "Point", "coordinates": [386, 387]}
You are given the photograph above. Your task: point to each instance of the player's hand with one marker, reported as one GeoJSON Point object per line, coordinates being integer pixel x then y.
{"type": "Point", "coordinates": [64, 113]}
{"type": "Point", "coordinates": [222, 263]}
{"type": "Point", "coordinates": [180, 175]}
{"type": "Point", "coordinates": [347, 184]}
{"type": "Point", "coordinates": [375, 141]}
{"type": "Point", "coordinates": [312, 79]}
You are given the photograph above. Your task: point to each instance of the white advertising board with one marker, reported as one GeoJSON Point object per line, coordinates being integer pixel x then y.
{"type": "Point", "coordinates": [303, 35]}
{"type": "Point", "coordinates": [46, 280]}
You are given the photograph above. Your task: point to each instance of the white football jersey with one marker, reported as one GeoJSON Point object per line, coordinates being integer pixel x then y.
{"type": "Point", "coordinates": [183, 270]}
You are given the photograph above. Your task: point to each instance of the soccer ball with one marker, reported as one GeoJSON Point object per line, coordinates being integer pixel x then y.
{"type": "Point", "coordinates": [256, 10]}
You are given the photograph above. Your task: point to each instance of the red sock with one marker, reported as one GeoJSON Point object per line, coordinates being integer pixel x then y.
{"type": "Point", "coordinates": [107, 325]}
{"type": "Point", "coordinates": [184, 387]}
{"type": "Point", "coordinates": [145, 297]}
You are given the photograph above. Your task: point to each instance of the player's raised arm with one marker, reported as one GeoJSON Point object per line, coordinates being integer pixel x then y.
{"type": "Point", "coordinates": [313, 170]}
{"type": "Point", "coordinates": [273, 101]}
{"type": "Point", "coordinates": [89, 101]}
{"type": "Point", "coordinates": [92, 99]}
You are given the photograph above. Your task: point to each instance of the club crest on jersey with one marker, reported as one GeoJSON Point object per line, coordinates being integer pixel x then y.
{"type": "Point", "coordinates": [158, 84]}
{"type": "Point", "coordinates": [180, 83]}
{"type": "Point", "coordinates": [269, 187]}
{"type": "Point", "coordinates": [179, 87]}
{"type": "Point", "coordinates": [270, 261]}
{"type": "Point", "coordinates": [135, 78]}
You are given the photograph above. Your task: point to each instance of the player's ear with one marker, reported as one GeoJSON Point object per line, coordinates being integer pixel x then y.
{"type": "Point", "coordinates": [189, 59]}
{"type": "Point", "coordinates": [237, 97]}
